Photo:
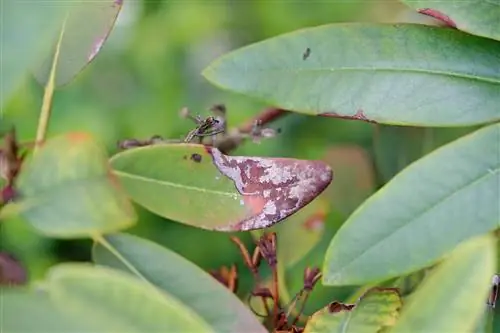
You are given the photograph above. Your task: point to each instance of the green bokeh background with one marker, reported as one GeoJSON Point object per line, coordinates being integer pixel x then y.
{"type": "Point", "coordinates": [147, 71]}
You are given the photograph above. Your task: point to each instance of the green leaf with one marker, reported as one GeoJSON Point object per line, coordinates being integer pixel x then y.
{"type": "Point", "coordinates": [200, 186]}
{"type": "Point", "coordinates": [375, 72]}
{"type": "Point", "coordinates": [476, 17]}
{"type": "Point", "coordinates": [181, 279]}
{"type": "Point", "coordinates": [67, 190]}
{"type": "Point", "coordinates": [434, 204]}
{"type": "Point", "coordinates": [453, 297]}
{"type": "Point", "coordinates": [375, 310]}
{"type": "Point", "coordinates": [26, 29]}
{"type": "Point", "coordinates": [43, 314]}
{"type": "Point", "coordinates": [119, 302]}
{"type": "Point", "coordinates": [80, 46]}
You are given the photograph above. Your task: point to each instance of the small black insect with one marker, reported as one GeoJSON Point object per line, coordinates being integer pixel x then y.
{"type": "Point", "coordinates": [306, 54]}
{"type": "Point", "coordinates": [196, 158]}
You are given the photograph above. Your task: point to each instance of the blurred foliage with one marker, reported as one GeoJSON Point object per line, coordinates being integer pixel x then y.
{"type": "Point", "coordinates": [147, 71]}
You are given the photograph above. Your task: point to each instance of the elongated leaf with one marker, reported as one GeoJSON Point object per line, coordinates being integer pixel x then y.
{"type": "Point", "coordinates": [448, 196]}
{"type": "Point", "coordinates": [453, 297]}
{"type": "Point", "coordinates": [476, 17]}
{"type": "Point", "coordinates": [26, 29]}
{"type": "Point", "coordinates": [118, 302]}
{"type": "Point", "coordinates": [88, 25]}
{"type": "Point", "coordinates": [371, 72]}
{"type": "Point", "coordinates": [221, 309]}
{"type": "Point", "coordinates": [44, 316]}
{"type": "Point", "coordinates": [375, 310]}
{"type": "Point", "coordinates": [200, 186]}
{"type": "Point", "coordinates": [66, 190]}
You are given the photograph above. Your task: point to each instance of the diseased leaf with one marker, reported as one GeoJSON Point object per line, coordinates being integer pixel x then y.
{"type": "Point", "coordinates": [434, 204]}
{"type": "Point", "coordinates": [80, 46]}
{"type": "Point", "coordinates": [27, 27]}
{"type": "Point", "coordinates": [377, 309]}
{"type": "Point", "coordinates": [200, 186]}
{"type": "Point", "coordinates": [67, 190]}
{"type": "Point", "coordinates": [479, 17]}
{"type": "Point", "coordinates": [221, 309]}
{"type": "Point", "coordinates": [371, 72]}
{"type": "Point", "coordinates": [453, 297]}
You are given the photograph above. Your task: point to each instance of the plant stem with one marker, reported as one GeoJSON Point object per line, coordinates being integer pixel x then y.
{"type": "Point", "coordinates": [43, 121]}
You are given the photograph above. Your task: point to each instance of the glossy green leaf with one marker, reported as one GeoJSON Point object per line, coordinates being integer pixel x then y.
{"type": "Point", "coordinates": [476, 17]}
{"type": "Point", "coordinates": [80, 46]}
{"type": "Point", "coordinates": [453, 297]}
{"type": "Point", "coordinates": [221, 309]}
{"type": "Point", "coordinates": [434, 204]}
{"type": "Point", "coordinates": [377, 309]}
{"type": "Point", "coordinates": [67, 190]}
{"type": "Point", "coordinates": [26, 29]}
{"type": "Point", "coordinates": [200, 186]}
{"type": "Point", "coordinates": [366, 71]}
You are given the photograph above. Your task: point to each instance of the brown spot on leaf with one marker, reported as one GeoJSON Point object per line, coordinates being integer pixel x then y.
{"type": "Point", "coordinates": [306, 54]}
{"type": "Point", "coordinates": [438, 16]}
{"type": "Point", "coordinates": [272, 188]}
{"type": "Point", "coordinates": [11, 271]}
{"type": "Point", "coordinates": [335, 307]}
{"type": "Point", "coordinates": [359, 115]}
{"type": "Point", "coordinates": [196, 158]}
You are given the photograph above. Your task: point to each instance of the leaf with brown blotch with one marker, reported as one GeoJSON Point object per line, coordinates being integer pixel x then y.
{"type": "Point", "coordinates": [217, 191]}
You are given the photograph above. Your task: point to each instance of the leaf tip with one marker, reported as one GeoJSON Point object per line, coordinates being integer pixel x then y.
{"type": "Point", "coordinates": [438, 16]}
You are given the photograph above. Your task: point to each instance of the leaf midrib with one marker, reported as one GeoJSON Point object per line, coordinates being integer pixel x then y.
{"type": "Point", "coordinates": [176, 185]}
{"type": "Point", "coordinates": [490, 172]}
{"type": "Point", "coordinates": [493, 80]}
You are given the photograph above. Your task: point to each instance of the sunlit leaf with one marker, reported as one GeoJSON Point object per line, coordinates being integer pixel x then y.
{"type": "Point", "coordinates": [453, 297]}
{"type": "Point", "coordinates": [221, 309]}
{"type": "Point", "coordinates": [200, 186]}
{"type": "Point", "coordinates": [375, 310]}
{"type": "Point", "coordinates": [476, 17]}
{"type": "Point", "coordinates": [371, 72]}
{"type": "Point", "coordinates": [26, 30]}
{"type": "Point", "coordinates": [88, 25]}
{"type": "Point", "coordinates": [437, 202]}
{"type": "Point", "coordinates": [67, 190]}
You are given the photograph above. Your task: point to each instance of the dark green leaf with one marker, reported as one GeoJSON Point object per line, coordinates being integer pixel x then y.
{"type": "Point", "coordinates": [200, 186]}
{"type": "Point", "coordinates": [425, 211]}
{"type": "Point", "coordinates": [401, 74]}
{"type": "Point", "coordinates": [221, 309]}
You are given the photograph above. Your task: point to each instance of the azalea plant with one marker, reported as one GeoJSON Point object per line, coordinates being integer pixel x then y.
{"type": "Point", "coordinates": [417, 254]}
